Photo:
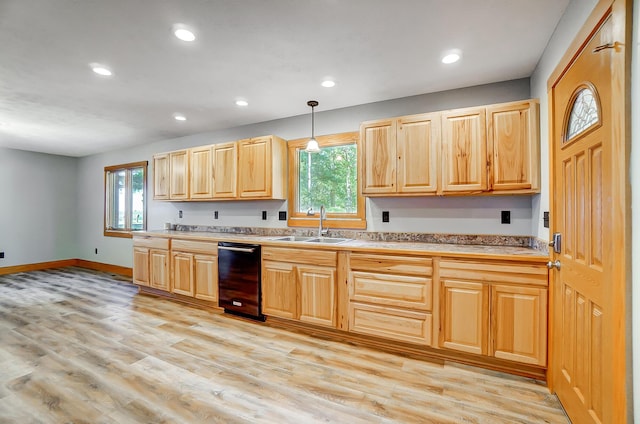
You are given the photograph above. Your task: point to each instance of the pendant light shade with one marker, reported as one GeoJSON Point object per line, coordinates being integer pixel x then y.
{"type": "Point", "coordinates": [312, 144]}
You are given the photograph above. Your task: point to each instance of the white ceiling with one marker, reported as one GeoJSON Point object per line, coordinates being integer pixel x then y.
{"type": "Point", "coordinates": [273, 53]}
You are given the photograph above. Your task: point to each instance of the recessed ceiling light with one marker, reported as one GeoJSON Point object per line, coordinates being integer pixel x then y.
{"type": "Point", "coordinates": [451, 57]}
{"type": "Point", "coordinates": [179, 117]}
{"type": "Point", "coordinates": [183, 33]}
{"type": "Point", "coordinates": [241, 102]}
{"type": "Point", "coordinates": [328, 83]}
{"type": "Point", "coordinates": [100, 69]}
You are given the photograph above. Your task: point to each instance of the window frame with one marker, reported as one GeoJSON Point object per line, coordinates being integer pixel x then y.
{"type": "Point", "coordinates": [334, 220]}
{"type": "Point", "coordinates": [127, 232]}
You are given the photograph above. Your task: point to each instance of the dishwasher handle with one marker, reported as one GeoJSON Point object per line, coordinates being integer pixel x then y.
{"type": "Point", "coordinates": [238, 249]}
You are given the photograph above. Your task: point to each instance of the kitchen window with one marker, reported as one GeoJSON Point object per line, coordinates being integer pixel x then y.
{"type": "Point", "coordinates": [125, 195]}
{"type": "Point", "coordinates": [328, 178]}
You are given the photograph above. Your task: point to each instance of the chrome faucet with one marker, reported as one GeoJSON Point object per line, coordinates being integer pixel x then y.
{"type": "Point", "coordinates": [323, 215]}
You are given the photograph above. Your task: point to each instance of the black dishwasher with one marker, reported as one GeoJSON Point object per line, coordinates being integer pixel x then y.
{"type": "Point", "coordinates": [239, 279]}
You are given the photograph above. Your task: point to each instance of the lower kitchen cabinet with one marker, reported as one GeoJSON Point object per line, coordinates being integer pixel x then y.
{"type": "Point", "coordinates": [299, 284]}
{"type": "Point", "coordinates": [194, 267]}
{"type": "Point", "coordinates": [151, 262]}
{"type": "Point", "coordinates": [391, 296]}
{"type": "Point", "coordinates": [494, 308]}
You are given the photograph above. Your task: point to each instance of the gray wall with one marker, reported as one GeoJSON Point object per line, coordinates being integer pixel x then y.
{"type": "Point", "coordinates": [468, 215]}
{"type": "Point", "coordinates": [39, 207]}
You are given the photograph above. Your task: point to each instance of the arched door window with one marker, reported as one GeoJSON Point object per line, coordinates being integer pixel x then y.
{"type": "Point", "coordinates": [584, 112]}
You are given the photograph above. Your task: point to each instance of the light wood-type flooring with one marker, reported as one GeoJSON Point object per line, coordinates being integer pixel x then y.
{"type": "Point", "coordinates": [82, 346]}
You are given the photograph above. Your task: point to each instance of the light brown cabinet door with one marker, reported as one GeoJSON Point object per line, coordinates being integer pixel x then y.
{"type": "Point", "coordinates": [201, 175]}
{"type": "Point", "coordinates": [317, 295]}
{"type": "Point", "coordinates": [464, 148]}
{"type": "Point", "coordinates": [279, 289]}
{"type": "Point", "coordinates": [519, 324]}
{"type": "Point", "coordinates": [206, 277]}
{"type": "Point", "coordinates": [378, 156]}
{"type": "Point", "coordinates": [225, 170]}
{"type": "Point", "coordinates": [464, 316]}
{"type": "Point", "coordinates": [159, 269]}
{"type": "Point", "coordinates": [161, 176]}
{"type": "Point", "coordinates": [418, 148]}
{"type": "Point", "coordinates": [179, 175]}
{"type": "Point", "coordinates": [513, 145]}
{"type": "Point", "coordinates": [255, 167]}
{"type": "Point", "coordinates": [182, 268]}
{"type": "Point", "coordinates": [141, 266]}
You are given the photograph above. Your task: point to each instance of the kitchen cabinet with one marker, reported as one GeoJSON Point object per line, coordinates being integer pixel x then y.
{"type": "Point", "coordinates": [262, 168]}
{"type": "Point", "coordinates": [300, 284]}
{"type": "Point", "coordinates": [151, 262]}
{"type": "Point", "coordinates": [494, 308]}
{"type": "Point", "coordinates": [401, 155]}
{"type": "Point", "coordinates": [179, 175]}
{"type": "Point", "coordinates": [161, 176]}
{"type": "Point", "coordinates": [225, 170]}
{"type": "Point", "coordinates": [464, 150]}
{"type": "Point", "coordinates": [201, 175]}
{"type": "Point", "coordinates": [514, 146]}
{"type": "Point", "coordinates": [194, 267]}
{"type": "Point", "coordinates": [391, 296]}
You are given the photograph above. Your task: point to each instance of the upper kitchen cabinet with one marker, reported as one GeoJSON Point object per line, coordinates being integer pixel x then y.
{"type": "Point", "coordinates": [225, 170]}
{"type": "Point", "coordinates": [400, 156]}
{"type": "Point", "coordinates": [464, 150]}
{"type": "Point", "coordinates": [262, 166]}
{"type": "Point", "coordinates": [179, 175]}
{"type": "Point", "coordinates": [514, 146]}
{"type": "Point", "coordinates": [161, 176]}
{"type": "Point", "coordinates": [201, 175]}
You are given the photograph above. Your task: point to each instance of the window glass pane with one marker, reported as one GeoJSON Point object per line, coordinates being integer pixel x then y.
{"type": "Point", "coordinates": [328, 178]}
{"type": "Point", "coordinates": [117, 208]}
{"type": "Point", "coordinates": [137, 198]}
{"type": "Point", "coordinates": [584, 113]}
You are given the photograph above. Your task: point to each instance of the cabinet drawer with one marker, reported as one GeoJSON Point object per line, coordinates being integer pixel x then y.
{"type": "Point", "coordinates": [406, 326]}
{"type": "Point", "coordinates": [414, 265]}
{"type": "Point", "coordinates": [193, 246]}
{"type": "Point", "coordinates": [394, 290]}
{"type": "Point", "coordinates": [151, 242]}
{"type": "Point", "coordinates": [300, 256]}
{"type": "Point", "coordinates": [516, 273]}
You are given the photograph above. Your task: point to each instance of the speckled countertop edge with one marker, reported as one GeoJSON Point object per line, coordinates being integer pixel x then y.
{"type": "Point", "coordinates": [503, 247]}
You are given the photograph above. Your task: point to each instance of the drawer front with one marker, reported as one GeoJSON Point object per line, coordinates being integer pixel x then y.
{"type": "Point", "coordinates": [393, 290]}
{"type": "Point", "coordinates": [413, 265]}
{"type": "Point", "coordinates": [300, 256]}
{"type": "Point", "coordinates": [193, 246]}
{"type": "Point", "coordinates": [390, 323]}
{"type": "Point", "coordinates": [500, 272]}
{"type": "Point", "coordinates": [151, 242]}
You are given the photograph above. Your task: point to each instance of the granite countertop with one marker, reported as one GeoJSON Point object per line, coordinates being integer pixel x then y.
{"type": "Point", "coordinates": [518, 253]}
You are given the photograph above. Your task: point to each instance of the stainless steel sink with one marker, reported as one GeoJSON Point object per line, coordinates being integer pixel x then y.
{"type": "Point", "coordinates": [331, 240]}
{"type": "Point", "coordinates": [293, 238]}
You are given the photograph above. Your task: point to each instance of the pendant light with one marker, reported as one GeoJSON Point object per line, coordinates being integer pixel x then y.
{"type": "Point", "coordinates": [312, 144]}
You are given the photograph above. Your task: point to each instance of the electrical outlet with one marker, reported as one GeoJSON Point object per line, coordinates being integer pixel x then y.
{"type": "Point", "coordinates": [505, 217]}
{"type": "Point", "coordinates": [215, 214]}
{"type": "Point", "coordinates": [179, 214]}
{"type": "Point", "coordinates": [385, 216]}
{"type": "Point", "coordinates": [264, 215]}
{"type": "Point", "coordinates": [96, 250]}
{"type": "Point", "coordinates": [545, 219]}
{"type": "Point", "coordinates": [282, 215]}
{"type": "Point", "coordinates": [1, 255]}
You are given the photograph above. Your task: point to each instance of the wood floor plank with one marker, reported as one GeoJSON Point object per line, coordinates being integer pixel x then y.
{"type": "Point", "coordinates": [78, 346]}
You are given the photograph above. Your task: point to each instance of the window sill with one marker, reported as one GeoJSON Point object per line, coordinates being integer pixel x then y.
{"type": "Point", "coordinates": [336, 223]}
{"type": "Point", "coordinates": [118, 233]}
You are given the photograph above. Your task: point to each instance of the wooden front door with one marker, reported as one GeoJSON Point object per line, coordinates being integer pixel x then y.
{"type": "Point", "coordinates": [588, 315]}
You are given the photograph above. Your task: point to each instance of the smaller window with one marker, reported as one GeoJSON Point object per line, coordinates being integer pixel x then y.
{"type": "Point", "coordinates": [584, 113]}
{"type": "Point", "coordinates": [328, 178]}
{"type": "Point", "coordinates": [125, 192]}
